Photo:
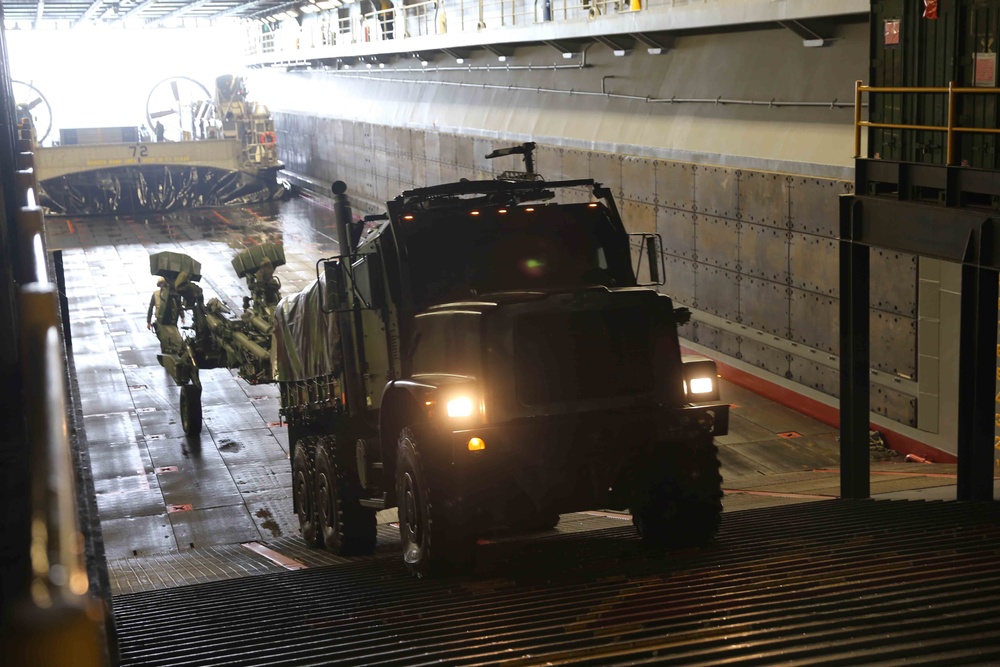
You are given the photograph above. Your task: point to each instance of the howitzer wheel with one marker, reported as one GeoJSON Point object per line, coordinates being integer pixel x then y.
{"type": "Point", "coordinates": [304, 490]}
{"type": "Point", "coordinates": [346, 528]}
{"type": "Point", "coordinates": [191, 409]}
{"type": "Point", "coordinates": [430, 545]}
{"type": "Point", "coordinates": [678, 502]}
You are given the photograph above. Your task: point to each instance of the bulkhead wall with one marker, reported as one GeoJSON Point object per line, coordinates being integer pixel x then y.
{"type": "Point", "coordinates": [744, 196]}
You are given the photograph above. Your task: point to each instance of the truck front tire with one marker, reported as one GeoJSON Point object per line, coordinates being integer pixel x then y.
{"type": "Point", "coordinates": [678, 501]}
{"type": "Point", "coordinates": [430, 545]}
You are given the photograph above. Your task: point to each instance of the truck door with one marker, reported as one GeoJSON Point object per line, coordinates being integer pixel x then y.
{"type": "Point", "coordinates": [376, 367]}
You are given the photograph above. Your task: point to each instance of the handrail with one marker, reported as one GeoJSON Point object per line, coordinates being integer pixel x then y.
{"type": "Point", "coordinates": [57, 615]}
{"type": "Point", "coordinates": [951, 128]}
{"type": "Point", "coordinates": [428, 17]}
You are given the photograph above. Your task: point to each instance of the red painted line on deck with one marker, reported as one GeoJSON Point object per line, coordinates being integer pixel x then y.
{"type": "Point", "coordinates": [775, 494]}
{"type": "Point", "coordinates": [901, 473]}
{"type": "Point", "coordinates": [69, 224]}
{"type": "Point", "coordinates": [221, 217]}
{"type": "Point", "coordinates": [274, 556]}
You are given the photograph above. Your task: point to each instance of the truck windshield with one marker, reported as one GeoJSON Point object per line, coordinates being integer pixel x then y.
{"type": "Point", "coordinates": [459, 254]}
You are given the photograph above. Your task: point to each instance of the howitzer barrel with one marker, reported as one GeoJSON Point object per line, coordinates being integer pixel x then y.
{"type": "Point", "coordinates": [222, 328]}
{"type": "Point", "coordinates": [250, 346]}
{"type": "Point", "coordinates": [260, 324]}
{"type": "Point", "coordinates": [215, 323]}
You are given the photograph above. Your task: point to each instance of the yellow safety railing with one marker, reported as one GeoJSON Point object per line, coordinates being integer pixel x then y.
{"type": "Point", "coordinates": [57, 623]}
{"type": "Point", "coordinates": [951, 128]}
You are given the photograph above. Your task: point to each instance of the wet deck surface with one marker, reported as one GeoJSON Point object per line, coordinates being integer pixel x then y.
{"type": "Point", "coordinates": [176, 510]}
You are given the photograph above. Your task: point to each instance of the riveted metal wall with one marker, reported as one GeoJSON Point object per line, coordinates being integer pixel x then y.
{"type": "Point", "coordinates": [755, 248]}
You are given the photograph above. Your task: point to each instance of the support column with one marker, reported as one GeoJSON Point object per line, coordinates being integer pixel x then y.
{"type": "Point", "coordinates": [855, 398]}
{"type": "Point", "coordinates": [976, 383]}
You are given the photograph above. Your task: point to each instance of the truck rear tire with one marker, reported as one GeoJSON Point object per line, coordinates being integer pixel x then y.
{"type": "Point", "coordinates": [191, 409]}
{"type": "Point", "coordinates": [430, 545]}
{"type": "Point", "coordinates": [346, 528]}
{"type": "Point", "coordinates": [678, 503]}
{"type": "Point", "coordinates": [304, 490]}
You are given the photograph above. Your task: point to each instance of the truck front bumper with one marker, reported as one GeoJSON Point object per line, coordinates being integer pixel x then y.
{"type": "Point", "coordinates": [562, 464]}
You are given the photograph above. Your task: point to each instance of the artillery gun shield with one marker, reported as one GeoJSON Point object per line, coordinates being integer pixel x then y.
{"type": "Point", "coordinates": [169, 265]}
{"type": "Point", "coordinates": [251, 259]}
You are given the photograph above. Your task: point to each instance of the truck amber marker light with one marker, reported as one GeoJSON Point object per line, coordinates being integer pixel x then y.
{"type": "Point", "coordinates": [476, 445]}
{"type": "Point", "coordinates": [407, 217]}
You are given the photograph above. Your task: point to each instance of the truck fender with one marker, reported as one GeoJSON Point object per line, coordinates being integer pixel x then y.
{"type": "Point", "coordinates": [400, 407]}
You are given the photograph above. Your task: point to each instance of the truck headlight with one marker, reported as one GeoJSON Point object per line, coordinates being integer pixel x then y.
{"type": "Point", "coordinates": [700, 383]}
{"type": "Point", "coordinates": [460, 407]}
{"type": "Point", "coordinates": [700, 386]}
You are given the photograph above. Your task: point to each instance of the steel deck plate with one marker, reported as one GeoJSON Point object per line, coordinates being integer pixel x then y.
{"type": "Point", "coordinates": [842, 582]}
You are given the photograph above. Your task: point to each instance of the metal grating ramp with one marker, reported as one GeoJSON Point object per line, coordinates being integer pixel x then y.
{"type": "Point", "coordinates": [833, 583]}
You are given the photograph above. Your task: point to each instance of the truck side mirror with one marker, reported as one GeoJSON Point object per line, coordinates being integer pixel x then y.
{"type": "Point", "coordinates": [333, 286]}
{"type": "Point", "coordinates": [367, 272]}
{"type": "Point", "coordinates": [649, 267]}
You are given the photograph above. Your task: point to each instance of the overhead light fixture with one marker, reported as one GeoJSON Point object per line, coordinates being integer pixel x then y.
{"type": "Point", "coordinates": [309, 9]}
{"type": "Point", "coordinates": [460, 60]}
{"type": "Point", "coordinates": [424, 63]}
{"type": "Point", "coordinates": [329, 4]}
{"type": "Point", "coordinates": [502, 59]}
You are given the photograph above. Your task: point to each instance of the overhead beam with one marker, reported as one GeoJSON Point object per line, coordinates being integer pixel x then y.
{"type": "Point", "coordinates": [275, 10]}
{"type": "Point", "coordinates": [141, 7]}
{"type": "Point", "coordinates": [810, 37]}
{"type": "Point", "coordinates": [233, 10]}
{"type": "Point", "coordinates": [40, 10]}
{"type": "Point", "coordinates": [656, 45]}
{"type": "Point", "coordinates": [458, 54]}
{"type": "Point", "coordinates": [90, 12]}
{"type": "Point", "coordinates": [179, 11]}
{"type": "Point", "coordinates": [501, 52]}
{"type": "Point", "coordinates": [567, 47]}
{"type": "Point", "coordinates": [620, 45]}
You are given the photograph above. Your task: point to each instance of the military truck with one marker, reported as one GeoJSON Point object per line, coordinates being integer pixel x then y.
{"type": "Point", "coordinates": [483, 356]}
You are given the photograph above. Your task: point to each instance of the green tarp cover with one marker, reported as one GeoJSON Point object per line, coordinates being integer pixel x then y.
{"type": "Point", "coordinates": [306, 341]}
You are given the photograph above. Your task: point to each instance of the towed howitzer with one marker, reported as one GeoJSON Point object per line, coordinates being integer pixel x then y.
{"type": "Point", "coordinates": [218, 339]}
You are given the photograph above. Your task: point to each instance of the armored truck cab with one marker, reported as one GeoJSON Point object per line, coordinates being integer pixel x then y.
{"type": "Point", "coordinates": [500, 366]}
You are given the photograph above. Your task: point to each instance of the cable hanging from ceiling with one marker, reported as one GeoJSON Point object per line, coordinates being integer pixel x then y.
{"type": "Point", "coordinates": [375, 75]}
